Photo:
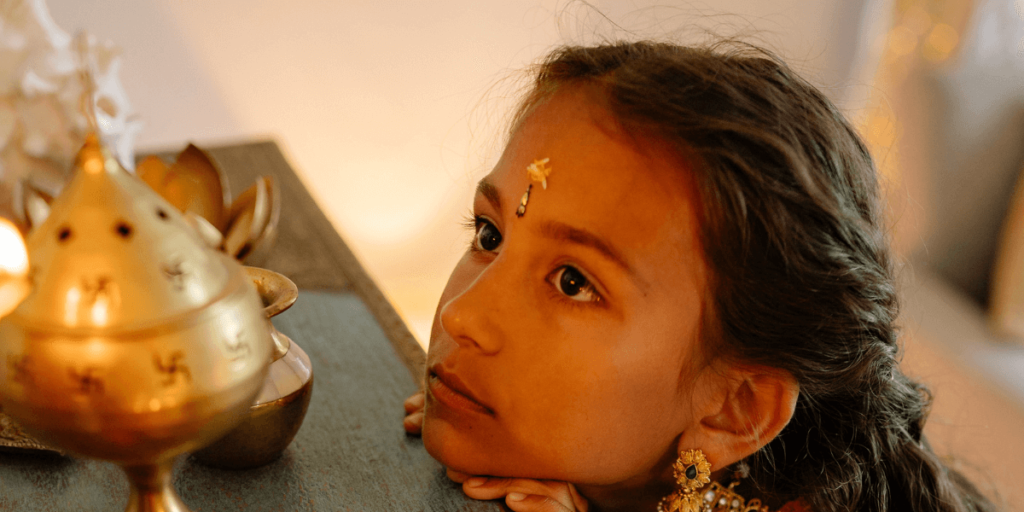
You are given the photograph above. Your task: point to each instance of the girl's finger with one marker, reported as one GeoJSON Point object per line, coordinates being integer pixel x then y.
{"type": "Point", "coordinates": [414, 403]}
{"type": "Point", "coordinates": [531, 491]}
{"type": "Point", "coordinates": [519, 502]}
{"type": "Point", "coordinates": [413, 423]}
{"type": "Point", "coordinates": [483, 488]}
{"type": "Point", "coordinates": [578, 501]}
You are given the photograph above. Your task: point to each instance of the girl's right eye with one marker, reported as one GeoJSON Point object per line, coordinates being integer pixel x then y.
{"type": "Point", "coordinates": [487, 237]}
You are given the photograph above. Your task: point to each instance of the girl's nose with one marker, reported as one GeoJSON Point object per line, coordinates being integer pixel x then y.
{"type": "Point", "coordinates": [472, 317]}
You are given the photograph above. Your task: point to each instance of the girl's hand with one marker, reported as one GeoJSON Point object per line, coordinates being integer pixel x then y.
{"type": "Point", "coordinates": [523, 494]}
{"type": "Point", "coordinates": [414, 414]}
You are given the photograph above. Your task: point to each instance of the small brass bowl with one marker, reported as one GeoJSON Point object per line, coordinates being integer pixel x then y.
{"type": "Point", "coordinates": [276, 415]}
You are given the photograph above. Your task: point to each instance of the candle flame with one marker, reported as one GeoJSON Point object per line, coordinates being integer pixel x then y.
{"type": "Point", "coordinates": [13, 267]}
{"type": "Point", "coordinates": [13, 255]}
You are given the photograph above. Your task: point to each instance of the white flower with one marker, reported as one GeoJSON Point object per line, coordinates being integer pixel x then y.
{"type": "Point", "coordinates": [539, 171]}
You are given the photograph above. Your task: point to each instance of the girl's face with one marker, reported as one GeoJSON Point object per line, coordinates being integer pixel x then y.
{"type": "Point", "coordinates": [564, 345]}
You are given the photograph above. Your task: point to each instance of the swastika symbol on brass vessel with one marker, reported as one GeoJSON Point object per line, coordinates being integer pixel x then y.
{"type": "Point", "coordinates": [19, 366]}
{"type": "Point", "coordinates": [87, 381]}
{"type": "Point", "coordinates": [238, 348]}
{"type": "Point", "coordinates": [102, 286]}
{"type": "Point", "coordinates": [176, 273]}
{"type": "Point", "coordinates": [173, 368]}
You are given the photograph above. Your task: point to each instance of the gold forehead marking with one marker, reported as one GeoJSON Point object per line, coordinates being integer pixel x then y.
{"type": "Point", "coordinates": [537, 171]}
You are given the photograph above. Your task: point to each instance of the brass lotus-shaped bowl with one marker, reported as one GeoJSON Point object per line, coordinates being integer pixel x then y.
{"type": "Point", "coordinates": [195, 185]}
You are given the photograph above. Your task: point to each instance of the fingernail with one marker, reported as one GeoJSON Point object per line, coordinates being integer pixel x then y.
{"type": "Point", "coordinates": [476, 481]}
{"type": "Point", "coordinates": [516, 496]}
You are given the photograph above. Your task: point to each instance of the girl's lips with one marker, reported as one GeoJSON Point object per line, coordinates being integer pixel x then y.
{"type": "Point", "coordinates": [450, 391]}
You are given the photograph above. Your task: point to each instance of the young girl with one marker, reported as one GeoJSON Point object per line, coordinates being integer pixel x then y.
{"type": "Point", "coordinates": [679, 296]}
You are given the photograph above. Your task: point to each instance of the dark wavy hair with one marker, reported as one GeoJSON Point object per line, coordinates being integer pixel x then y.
{"type": "Point", "coordinates": [801, 275]}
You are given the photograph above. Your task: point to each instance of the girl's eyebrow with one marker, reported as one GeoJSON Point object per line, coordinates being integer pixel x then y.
{"type": "Point", "coordinates": [488, 190]}
{"type": "Point", "coordinates": [561, 231]}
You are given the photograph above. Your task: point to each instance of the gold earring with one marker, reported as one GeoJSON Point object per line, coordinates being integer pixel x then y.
{"type": "Point", "coordinates": [692, 470]}
{"type": "Point", "coordinates": [724, 499]}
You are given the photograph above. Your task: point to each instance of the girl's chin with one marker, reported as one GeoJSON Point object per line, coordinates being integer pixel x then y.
{"type": "Point", "coordinates": [471, 453]}
{"type": "Point", "coordinates": [456, 450]}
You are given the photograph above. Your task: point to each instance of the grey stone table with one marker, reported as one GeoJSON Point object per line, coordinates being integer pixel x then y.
{"type": "Point", "coordinates": [351, 453]}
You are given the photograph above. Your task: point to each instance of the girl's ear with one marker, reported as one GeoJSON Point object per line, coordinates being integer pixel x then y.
{"type": "Point", "coordinates": [752, 408]}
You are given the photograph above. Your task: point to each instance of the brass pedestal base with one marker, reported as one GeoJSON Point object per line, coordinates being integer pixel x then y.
{"type": "Point", "coordinates": [152, 489]}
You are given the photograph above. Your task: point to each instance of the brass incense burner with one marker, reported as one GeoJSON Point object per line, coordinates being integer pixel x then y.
{"type": "Point", "coordinates": [138, 341]}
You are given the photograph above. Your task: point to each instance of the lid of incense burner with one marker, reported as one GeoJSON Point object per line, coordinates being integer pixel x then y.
{"type": "Point", "coordinates": [114, 254]}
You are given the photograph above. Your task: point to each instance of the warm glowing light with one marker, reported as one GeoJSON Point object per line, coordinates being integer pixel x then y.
{"type": "Point", "coordinates": [100, 310]}
{"type": "Point", "coordinates": [71, 301]}
{"type": "Point", "coordinates": [13, 255]}
{"type": "Point", "coordinates": [96, 348]}
{"type": "Point", "coordinates": [902, 40]}
{"type": "Point", "coordinates": [93, 165]}
{"type": "Point", "coordinates": [881, 130]}
{"type": "Point", "coordinates": [941, 42]}
{"type": "Point", "coordinates": [917, 20]}
{"type": "Point", "coordinates": [11, 293]}
{"type": "Point", "coordinates": [13, 267]}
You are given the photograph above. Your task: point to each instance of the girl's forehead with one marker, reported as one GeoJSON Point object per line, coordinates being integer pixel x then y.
{"type": "Point", "coordinates": [591, 156]}
{"type": "Point", "coordinates": [634, 194]}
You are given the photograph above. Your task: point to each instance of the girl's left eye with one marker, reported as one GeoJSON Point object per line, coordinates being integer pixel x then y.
{"type": "Point", "coordinates": [573, 284]}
